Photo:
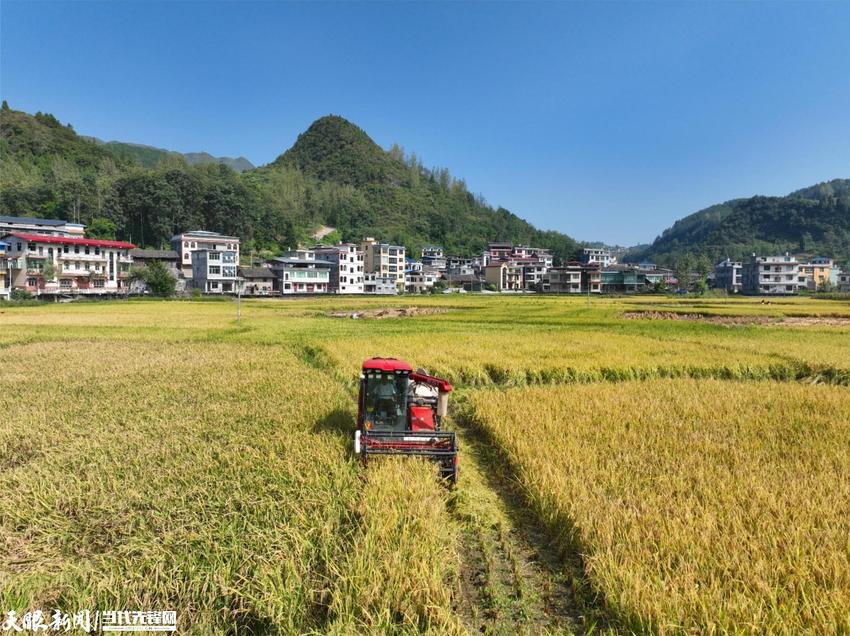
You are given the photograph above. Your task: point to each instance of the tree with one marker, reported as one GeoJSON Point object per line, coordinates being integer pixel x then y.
{"type": "Point", "coordinates": [48, 271]}
{"type": "Point", "coordinates": [100, 228]}
{"type": "Point", "coordinates": [684, 266]}
{"type": "Point", "coordinates": [156, 278]}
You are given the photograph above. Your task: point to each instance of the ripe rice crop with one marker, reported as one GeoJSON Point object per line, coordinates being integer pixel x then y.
{"type": "Point", "coordinates": [207, 478]}
{"type": "Point", "coordinates": [700, 506]}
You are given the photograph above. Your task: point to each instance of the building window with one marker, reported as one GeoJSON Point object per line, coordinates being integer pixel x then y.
{"type": "Point", "coordinates": [99, 283]}
{"type": "Point", "coordinates": [215, 269]}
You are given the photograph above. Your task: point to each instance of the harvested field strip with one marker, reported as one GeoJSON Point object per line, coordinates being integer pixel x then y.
{"type": "Point", "coordinates": [513, 578]}
{"type": "Point", "coordinates": [734, 321]}
{"type": "Point", "coordinates": [692, 516]}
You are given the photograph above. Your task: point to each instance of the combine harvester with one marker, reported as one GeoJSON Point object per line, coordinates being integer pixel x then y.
{"type": "Point", "coordinates": [399, 413]}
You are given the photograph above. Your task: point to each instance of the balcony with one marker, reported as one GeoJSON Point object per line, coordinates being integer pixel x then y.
{"type": "Point", "coordinates": [82, 257]}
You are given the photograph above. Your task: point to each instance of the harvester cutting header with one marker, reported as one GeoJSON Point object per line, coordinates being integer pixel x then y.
{"type": "Point", "coordinates": [400, 413]}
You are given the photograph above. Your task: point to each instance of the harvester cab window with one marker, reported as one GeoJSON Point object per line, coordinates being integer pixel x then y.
{"type": "Point", "coordinates": [386, 400]}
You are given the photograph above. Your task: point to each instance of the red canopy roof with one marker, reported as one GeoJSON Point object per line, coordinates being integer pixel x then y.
{"type": "Point", "coordinates": [386, 364]}
{"type": "Point", "coordinates": [68, 240]}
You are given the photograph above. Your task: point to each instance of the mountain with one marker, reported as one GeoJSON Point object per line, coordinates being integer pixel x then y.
{"type": "Point", "coordinates": [334, 175]}
{"type": "Point", "coordinates": [813, 220]}
{"type": "Point", "coordinates": [150, 156]}
{"type": "Point", "coordinates": [368, 191]}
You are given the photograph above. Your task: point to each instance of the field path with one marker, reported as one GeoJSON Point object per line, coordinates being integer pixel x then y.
{"type": "Point", "coordinates": [513, 579]}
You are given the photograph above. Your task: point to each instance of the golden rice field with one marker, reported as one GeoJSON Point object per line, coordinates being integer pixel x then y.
{"type": "Point", "coordinates": [700, 506]}
{"type": "Point", "coordinates": [671, 476]}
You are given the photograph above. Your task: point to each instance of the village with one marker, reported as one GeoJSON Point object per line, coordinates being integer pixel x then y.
{"type": "Point", "coordinates": [52, 258]}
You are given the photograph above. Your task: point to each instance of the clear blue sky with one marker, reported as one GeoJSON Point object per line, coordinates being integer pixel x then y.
{"type": "Point", "coordinates": [607, 121]}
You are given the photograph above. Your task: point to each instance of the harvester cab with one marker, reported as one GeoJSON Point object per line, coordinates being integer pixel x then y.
{"type": "Point", "coordinates": [400, 413]}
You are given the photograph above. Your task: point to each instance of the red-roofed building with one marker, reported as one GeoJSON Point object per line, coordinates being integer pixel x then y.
{"type": "Point", "coordinates": [57, 265]}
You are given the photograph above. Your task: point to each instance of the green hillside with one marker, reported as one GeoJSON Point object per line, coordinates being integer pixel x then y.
{"type": "Point", "coordinates": [150, 156]}
{"type": "Point", "coordinates": [334, 175]}
{"type": "Point", "coordinates": [813, 220]}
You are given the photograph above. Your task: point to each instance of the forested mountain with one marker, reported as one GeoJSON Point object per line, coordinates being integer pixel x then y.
{"type": "Point", "coordinates": [150, 156]}
{"type": "Point", "coordinates": [334, 175]}
{"type": "Point", "coordinates": [814, 220]}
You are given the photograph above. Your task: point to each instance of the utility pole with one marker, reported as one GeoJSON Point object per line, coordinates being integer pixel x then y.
{"type": "Point", "coordinates": [239, 284]}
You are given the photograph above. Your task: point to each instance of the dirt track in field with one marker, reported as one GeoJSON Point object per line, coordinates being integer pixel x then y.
{"type": "Point", "coordinates": [735, 321]}
{"type": "Point", "coordinates": [514, 580]}
{"type": "Point", "coordinates": [388, 312]}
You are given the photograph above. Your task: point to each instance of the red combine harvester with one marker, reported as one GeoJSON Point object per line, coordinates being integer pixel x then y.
{"type": "Point", "coordinates": [399, 413]}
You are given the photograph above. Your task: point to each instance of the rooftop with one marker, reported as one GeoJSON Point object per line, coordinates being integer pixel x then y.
{"type": "Point", "coordinates": [300, 261]}
{"type": "Point", "coordinates": [67, 240]}
{"type": "Point", "coordinates": [203, 234]}
{"type": "Point", "coordinates": [256, 272]}
{"type": "Point", "coordinates": [31, 220]}
{"type": "Point", "coordinates": [154, 254]}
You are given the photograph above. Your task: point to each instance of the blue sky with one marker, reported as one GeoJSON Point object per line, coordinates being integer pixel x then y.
{"type": "Point", "coordinates": [606, 121]}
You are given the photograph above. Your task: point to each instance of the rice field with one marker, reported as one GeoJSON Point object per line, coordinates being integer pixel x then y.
{"type": "Point", "coordinates": [672, 476]}
{"type": "Point", "coordinates": [699, 506]}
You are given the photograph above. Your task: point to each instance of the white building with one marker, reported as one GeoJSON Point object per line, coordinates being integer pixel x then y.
{"type": "Point", "coordinates": [5, 291]}
{"type": "Point", "coordinates": [382, 285]}
{"type": "Point", "coordinates": [346, 261]}
{"type": "Point", "coordinates": [771, 275]}
{"type": "Point", "coordinates": [188, 242]}
{"type": "Point", "coordinates": [48, 265]}
{"type": "Point", "coordinates": [384, 260]}
{"type": "Point", "coordinates": [420, 282]}
{"type": "Point", "coordinates": [598, 255]}
{"type": "Point", "coordinates": [32, 225]}
{"type": "Point", "coordinates": [434, 257]}
{"type": "Point", "coordinates": [215, 271]}
{"type": "Point", "coordinates": [298, 272]}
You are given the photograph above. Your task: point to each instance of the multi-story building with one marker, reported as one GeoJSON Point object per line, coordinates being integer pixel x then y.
{"type": "Point", "coordinates": [50, 264]}
{"type": "Point", "coordinates": [728, 275]}
{"type": "Point", "coordinates": [506, 276]}
{"type": "Point", "coordinates": [591, 278]}
{"type": "Point", "coordinates": [421, 281]}
{"type": "Point", "coordinates": [496, 251]}
{"type": "Point", "coordinates": [382, 285]}
{"type": "Point", "coordinates": [188, 242]}
{"type": "Point", "coordinates": [215, 271]}
{"type": "Point", "coordinates": [4, 276]}
{"type": "Point", "coordinates": [460, 266]}
{"type": "Point", "coordinates": [434, 257]}
{"type": "Point", "coordinates": [598, 255]}
{"type": "Point", "coordinates": [258, 281]}
{"type": "Point", "coordinates": [32, 225]}
{"type": "Point", "coordinates": [816, 273]}
{"type": "Point", "coordinates": [844, 280]}
{"type": "Point", "coordinates": [564, 280]}
{"type": "Point", "coordinates": [523, 252]}
{"type": "Point", "coordinates": [298, 272]}
{"type": "Point", "coordinates": [771, 275]}
{"type": "Point", "coordinates": [346, 273]}
{"type": "Point", "coordinates": [435, 251]}
{"type": "Point", "coordinates": [384, 260]}
{"type": "Point", "coordinates": [533, 275]}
